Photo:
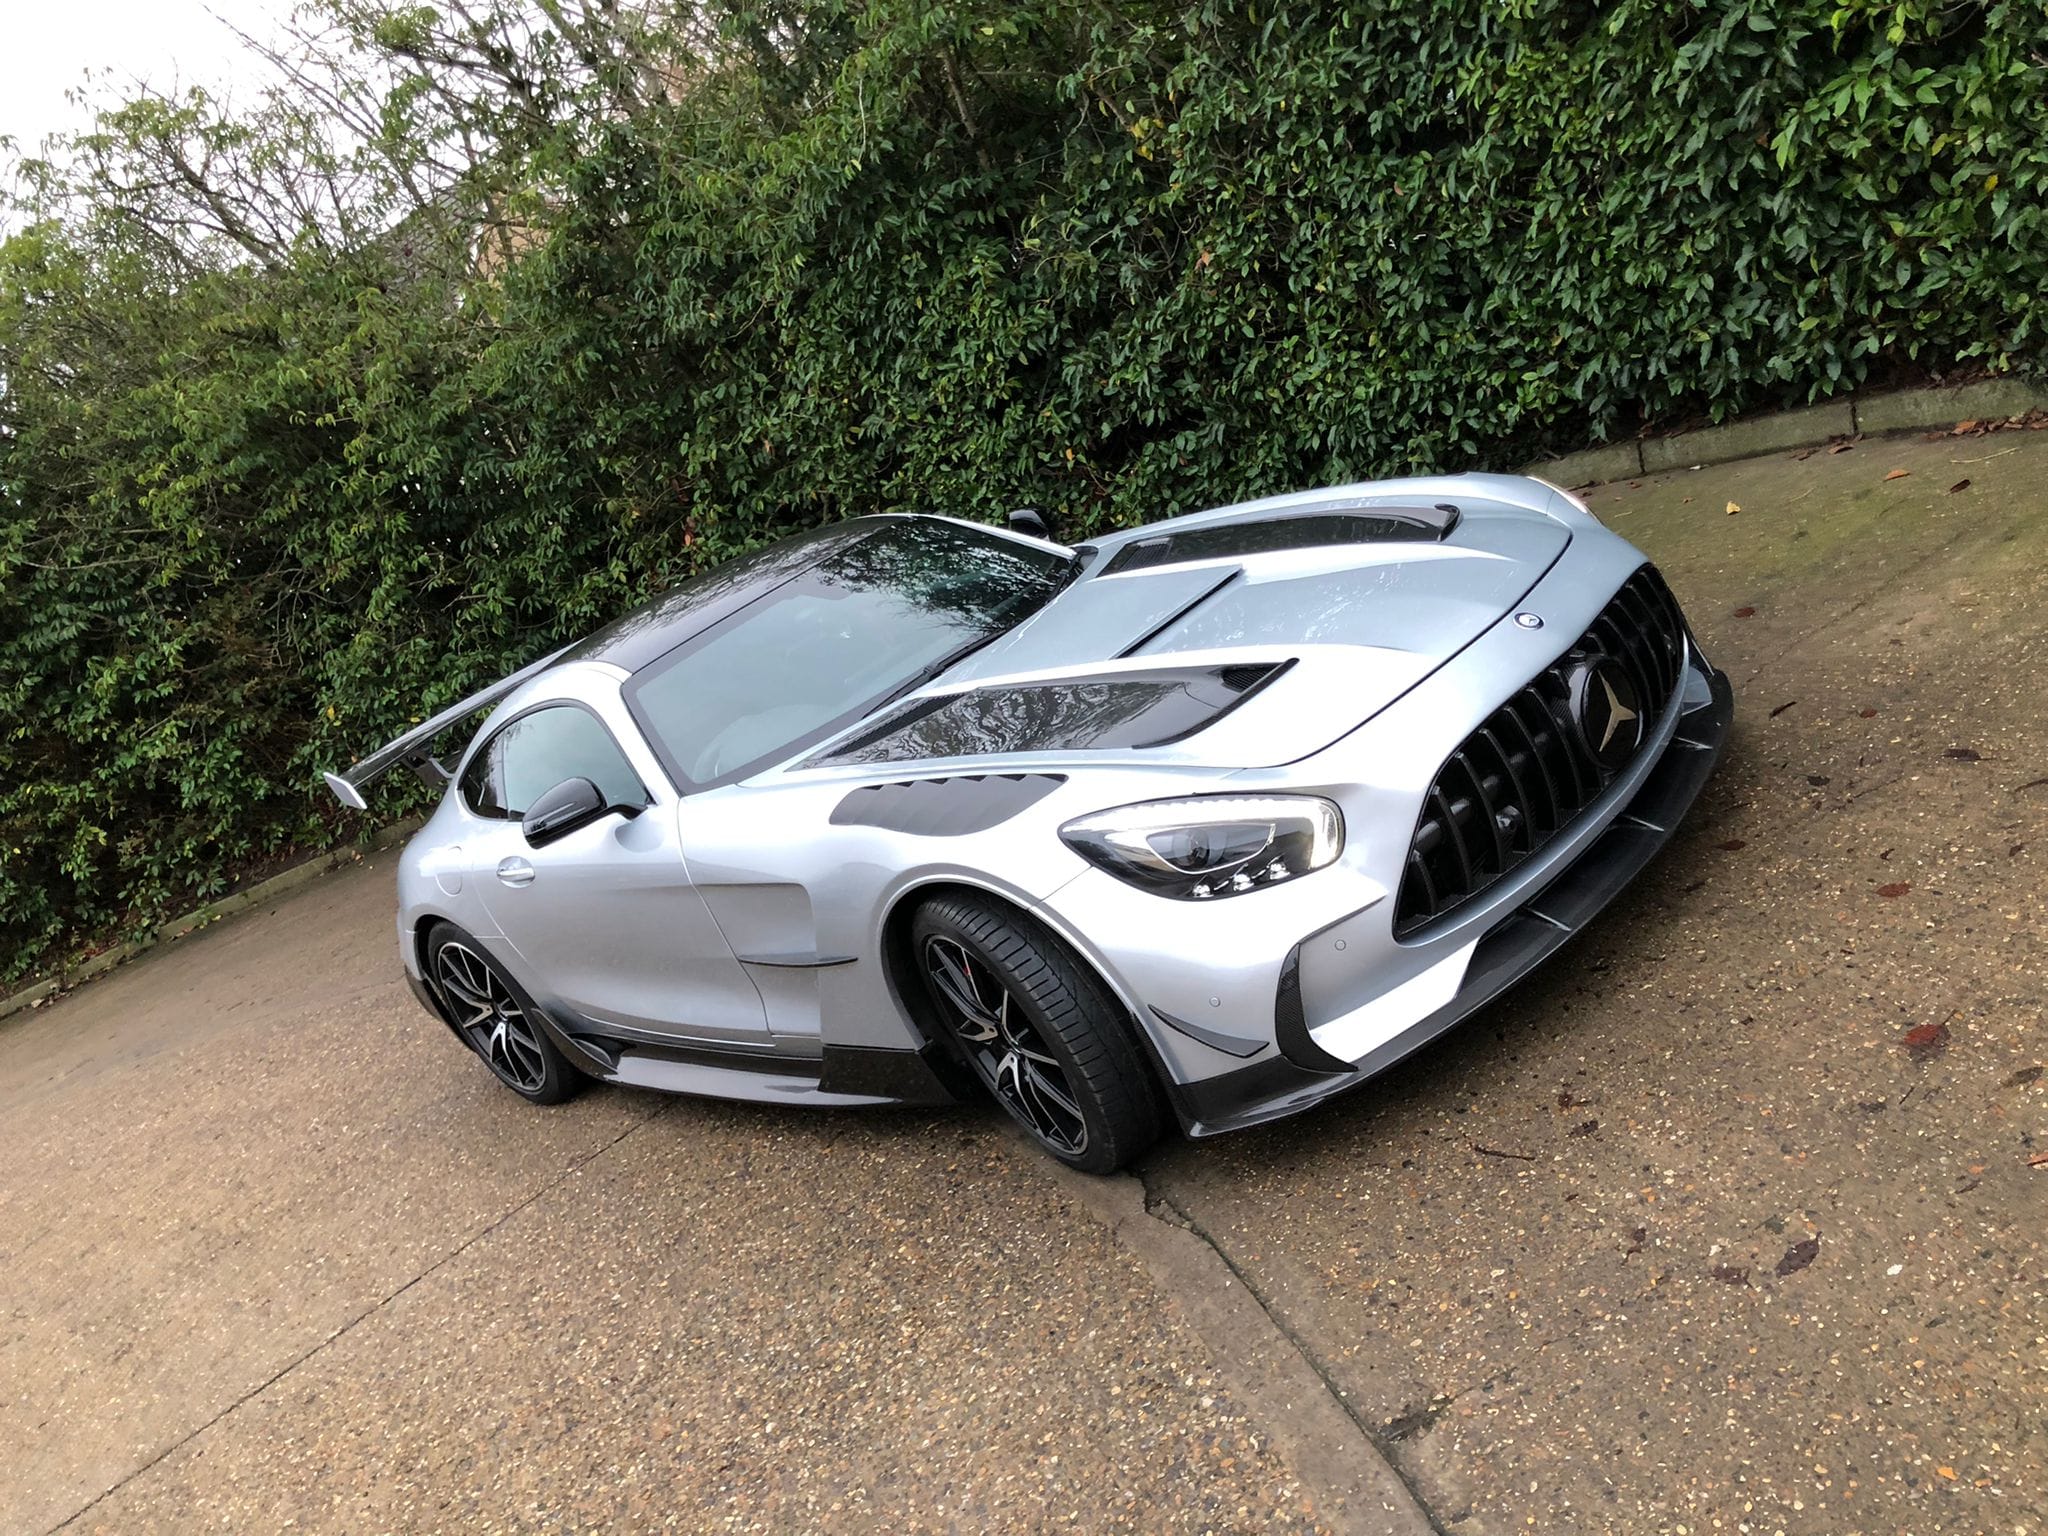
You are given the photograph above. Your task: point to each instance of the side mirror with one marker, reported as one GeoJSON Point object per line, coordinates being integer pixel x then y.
{"type": "Point", "coordinates": [1029, 520]}
{"type": "Point", "coordinates": [571, 804]}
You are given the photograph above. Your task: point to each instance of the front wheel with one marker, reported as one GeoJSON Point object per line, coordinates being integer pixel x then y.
{"type": "Point", "coordinates": [497, 1019]}
{"type": "Point", "coordinates": [1039, 1029]}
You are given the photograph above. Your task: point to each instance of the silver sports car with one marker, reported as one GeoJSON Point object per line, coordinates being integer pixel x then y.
{"type": "Point", "coordinates": [1205, 821]}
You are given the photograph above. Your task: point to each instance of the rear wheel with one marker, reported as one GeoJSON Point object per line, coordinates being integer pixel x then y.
{"type": "Point", "coordinates": [497, 1019]}
{"type": "Point", "coordinates": [1039, 1029]}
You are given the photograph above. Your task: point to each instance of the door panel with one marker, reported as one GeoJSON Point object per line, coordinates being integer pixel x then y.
{"type": "Point", "coordinates": [605, 918]}
{"type": "Point", "coordinates": [608, 922]}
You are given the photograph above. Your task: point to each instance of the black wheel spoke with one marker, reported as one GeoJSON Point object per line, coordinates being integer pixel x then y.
{"type": "Point", "coordinates": [1051, 1086]}
{"type": "Point", "coordinates": [497, 1025]}
{"type": "Point", "coordinates": [953, 972]}
{"type": "Point", "coordinates": [1004, 1047]}
{"type": "Point", "coordinates": [463, 989]}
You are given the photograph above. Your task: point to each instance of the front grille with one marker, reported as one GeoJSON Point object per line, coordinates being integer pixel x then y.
{"type": "Point", "coordinates": [1527, 773]}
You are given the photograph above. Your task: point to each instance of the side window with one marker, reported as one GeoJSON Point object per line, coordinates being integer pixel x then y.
{"type": "Point", "coordinates": [536, 752]}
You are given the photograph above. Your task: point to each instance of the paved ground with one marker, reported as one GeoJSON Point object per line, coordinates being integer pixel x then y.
{"type": "Point", "coordinates": [1564, 1259]}
{"type": "Point", "coordinates": [1726, 1223]}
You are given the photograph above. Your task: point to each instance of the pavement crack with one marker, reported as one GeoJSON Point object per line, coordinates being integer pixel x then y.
{"type": "Point", "coordinates": [569, 1171]}
{"type": "Point", "coordinates": [1162, 1207]}
{"type": "Point", "coordinates": [1415, 1421]}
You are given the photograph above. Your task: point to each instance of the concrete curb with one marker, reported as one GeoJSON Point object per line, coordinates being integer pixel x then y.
{"type": "Point", "coordinates": [1357, 1491]}
{"type": "Point", "coordinates": [1905, 410]}
{"type": "Point", "coordinates": [227, 906]}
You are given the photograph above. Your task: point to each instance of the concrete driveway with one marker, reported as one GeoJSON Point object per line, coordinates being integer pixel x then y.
{"type": "Point", "coordinates": [1729, 1221]}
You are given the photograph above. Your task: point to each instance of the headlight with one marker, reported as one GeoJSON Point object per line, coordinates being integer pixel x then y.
{"type": "Point", "coordinates": [1210, 845]}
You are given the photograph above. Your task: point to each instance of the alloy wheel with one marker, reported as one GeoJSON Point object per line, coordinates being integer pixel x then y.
{"type": "Point", "coordinates": [1006, 1050]}
{"type": "Point", "coordinates": [490, 1017]}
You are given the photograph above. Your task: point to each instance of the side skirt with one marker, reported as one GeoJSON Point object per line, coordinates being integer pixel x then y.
{"type": "Point", "coordinates": [841, 1076]}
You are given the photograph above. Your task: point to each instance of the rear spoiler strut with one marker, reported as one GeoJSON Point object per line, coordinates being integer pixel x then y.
{"type": "Point", "coordinates": [411, 748]}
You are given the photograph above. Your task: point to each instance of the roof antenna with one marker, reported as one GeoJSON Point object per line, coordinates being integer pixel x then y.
{"type": "Point", "coordinates": [1029, 520]}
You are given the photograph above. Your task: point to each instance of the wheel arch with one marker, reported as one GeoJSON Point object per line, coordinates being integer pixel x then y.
{"type": "Point", "coordinates": [898, 963]}
{"type": "Point", "coordinates": [429, 991]}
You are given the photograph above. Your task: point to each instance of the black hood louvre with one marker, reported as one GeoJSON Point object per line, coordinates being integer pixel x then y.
{"type": "Point", "coordinates": [1321, 527]}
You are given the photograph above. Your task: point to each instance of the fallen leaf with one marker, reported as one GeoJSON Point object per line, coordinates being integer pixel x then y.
{"type": "Point", "coordinates": [1745, 613]}
{"type": "Point", "coordinates": [1947, 1472]}
{"type": "Point", "coordinates": [1925, 1040]}
{"type": "Point", "coordinates": [1732, 845]}
{"type": "Point", "coordinates": [1961, 427]}
{"type": "Point", "coordinates": [1961, 485]}
{"type": "Point", "coordinates": [1964, 754]}
{"type": "Point", "coordinates": [1799, 1255]}
{"type": "Point", "coordinates": [1783, 707]}
{"type": "Point", "coordinates": [2040, 1160]}
{"type": "Point", "coordinates": [1898, 474]}
{"type": "Point", "coordinates": [1733, 509]}
{"type": "Point", "coordinates": [1896, 889]}
{"type": "Point", "coordinates": [1731, 1274]}
{"type": "Point", "coordinates": [1840, 447]}
{"type": "Point", "coordinates": [2024, 1076]}
{"type": "Point", "coordinates": [1867, 714]}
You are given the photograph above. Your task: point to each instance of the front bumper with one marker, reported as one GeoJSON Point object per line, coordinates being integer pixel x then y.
{"type": "Point", "coordinates": [1301, 1073]}
{"type": "Point", "coordinates": [1258, 1006]}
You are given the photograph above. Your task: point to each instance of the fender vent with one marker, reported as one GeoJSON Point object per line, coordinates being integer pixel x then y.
{"type": "Point", "coordinates": [949, 807]}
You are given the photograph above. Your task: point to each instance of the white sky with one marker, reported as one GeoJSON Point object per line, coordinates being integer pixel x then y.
{"type": "Point", "coordinates": [48, 46]}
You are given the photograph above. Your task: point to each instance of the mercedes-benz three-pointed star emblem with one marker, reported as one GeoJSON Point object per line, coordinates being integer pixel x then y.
{"type": "Point", "coordinates": [1618, 713]}
{"type": "Point", "coordinates": [1606, 709]}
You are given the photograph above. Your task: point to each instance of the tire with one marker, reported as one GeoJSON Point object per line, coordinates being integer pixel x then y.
{"type": "Point", "coordinates": [1041, 1032]}
{"type": "Point", "coordinates": [496, 1019]}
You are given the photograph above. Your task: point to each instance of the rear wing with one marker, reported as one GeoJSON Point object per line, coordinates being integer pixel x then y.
{"type": "Point", "coordinates": [411, 748]}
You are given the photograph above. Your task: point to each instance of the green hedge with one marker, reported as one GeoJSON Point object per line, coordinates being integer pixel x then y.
{"type": "Point", "coordinates": [1116, 262]}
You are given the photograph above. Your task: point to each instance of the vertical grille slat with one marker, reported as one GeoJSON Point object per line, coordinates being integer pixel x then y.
{"type": "Point", "coordinates": [1525, 772]}
{"type": "Point", "coordinates": [1518, 803]}
{"type": "Point", "coordinates": [1651, 637]}
{"type": "Point", "coordinates": [1463, 758]}
{"type": "Point", "coordinates": [1418, 873]}
{"type": "Point", "coordinates": [1447, 818]}
{"type": "Point", "coordinates": [1510, 713]}
{"type": "Point", "coordinates": [1621, 646]}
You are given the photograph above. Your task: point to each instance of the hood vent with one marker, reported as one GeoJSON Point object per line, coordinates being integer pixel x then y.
{"type": "Point", "coordinates": [1127, 711]}
{"type": "Point", "coordinates": [1320, 527]}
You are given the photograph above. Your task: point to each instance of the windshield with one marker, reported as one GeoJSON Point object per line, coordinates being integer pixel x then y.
{"type": "Point", "coordinates": [822, 650]}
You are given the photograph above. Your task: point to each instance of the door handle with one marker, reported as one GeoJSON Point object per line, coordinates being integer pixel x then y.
{"type": "Point", "coordinates": [515, 871]}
